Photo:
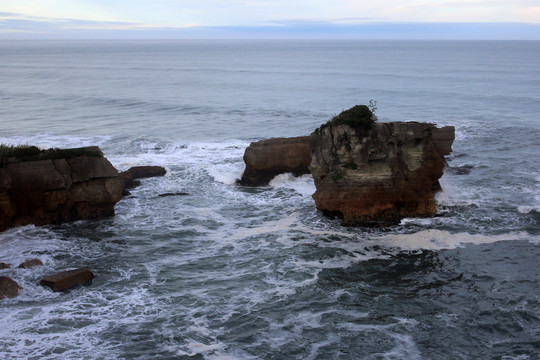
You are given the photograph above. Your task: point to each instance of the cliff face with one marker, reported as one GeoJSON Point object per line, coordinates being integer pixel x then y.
{"type": "Point", "coordinates": [267, 158]}
{"type": "Point", "coordinates": [53, 191]}
{"type": "Point", "coordinates": [377, 177]}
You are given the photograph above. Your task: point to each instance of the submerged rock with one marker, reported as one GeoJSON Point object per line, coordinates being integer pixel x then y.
{"type": "Point", "coordinates": [267, 158]}
{"type": "Point", "coordinates": [4, 265]}
{"type": "Point", "coordinates": [68, 279]}
{"type": "Point", "coordinates": [57, 185]}
{"type": "Point", "coordinates": [376, 176]}
{"type": "Point", "coordinates": [30, 263]}
{"type": "Point", "coordinates": [174, 194]}
{"type": "Point", "coordinates": [8, 288]}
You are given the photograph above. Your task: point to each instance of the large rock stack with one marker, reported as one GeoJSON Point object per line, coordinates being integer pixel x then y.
{"type": "Point", "coordinates": [379, 175]}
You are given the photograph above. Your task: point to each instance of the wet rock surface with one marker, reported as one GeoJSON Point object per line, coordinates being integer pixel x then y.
{"type": "Point", "coordinates": [30, 263]}
{"type": "Point", "coordinates": [68, 279]}
{"type": "Point", "coordinates": [8, 288]}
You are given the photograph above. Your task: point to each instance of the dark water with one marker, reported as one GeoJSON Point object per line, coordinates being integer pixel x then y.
{"type": "Point", "coordinates": [242, 273]}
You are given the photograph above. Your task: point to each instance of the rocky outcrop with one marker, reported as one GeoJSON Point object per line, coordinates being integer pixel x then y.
{"type": "Point", "coordinates": [8, 288]}
{"type": "Point", "coordinates": [377, 176]}
{"type": "Point", "coordinates": [68, 279]}
{"type": "Point", "coordinates": [131, 176]}
{"type": "Point", "coordinates": [267, 158]}
{"type": "Point", "coordinates": [47, 189]}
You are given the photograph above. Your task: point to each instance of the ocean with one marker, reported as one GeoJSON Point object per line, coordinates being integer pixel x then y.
{"type": "Point", "coordinates": [232, 272]}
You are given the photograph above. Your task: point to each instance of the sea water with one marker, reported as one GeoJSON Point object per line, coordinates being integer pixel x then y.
{"type": "Point", "coordinates": [231, 272]}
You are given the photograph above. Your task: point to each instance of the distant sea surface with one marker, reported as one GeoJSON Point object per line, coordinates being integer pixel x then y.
{"type": "Point", "coordinates": [230, 272]}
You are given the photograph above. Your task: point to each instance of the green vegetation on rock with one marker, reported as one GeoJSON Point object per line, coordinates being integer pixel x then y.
{"type": "Point", "coordinates": [358, 117]}
{"type": "Point", "coordinates": [33, 153]}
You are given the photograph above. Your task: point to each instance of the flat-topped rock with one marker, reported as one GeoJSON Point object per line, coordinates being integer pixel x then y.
{"type": "Point", "coordinates": [140, 172]}
{"type": "Point", "coordinates": [67, 279]}
{"type": "Point", "coordinates": [56, 185]}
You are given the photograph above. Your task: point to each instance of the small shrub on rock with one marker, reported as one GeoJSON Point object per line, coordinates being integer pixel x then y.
{"type": "Point", "coordinates": [359, 117]}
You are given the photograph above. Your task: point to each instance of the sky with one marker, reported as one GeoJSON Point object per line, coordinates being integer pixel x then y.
{"type": "Point", "coordinates": [340, 19]}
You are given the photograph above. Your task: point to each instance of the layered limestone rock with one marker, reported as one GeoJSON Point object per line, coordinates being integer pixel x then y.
{"type": "Point", "coordinates": [377, 176]}
{"type": "Point", "coordinates": [46, 189]}
{"type": "Point", "coordinates": [267, 158]}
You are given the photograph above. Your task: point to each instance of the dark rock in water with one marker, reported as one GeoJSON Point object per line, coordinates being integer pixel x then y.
{"type": "Point", "coordinates": [30, 263]}
{"type": "Point", "coordinates": [129, 181]}
{"type": "Point", "coordinates": [139, 172]}
{"type": "Point", "coordinates": [47, 189]}
{"type": "Point", "coordinates": [4, 265]}
{"type": "Point", "coordinates": [267, 158]}
{"type": "Point", "coordinates": [67, 279]}
{"type": "Point", "coordinates": [131, 175]}
{"type": "Point", "coordinates": [174, 194]}
{"type": "Point", "coordinates": [461, 170]}
{"type": "Point", "coordinates": [8, 288]}
{"type": "Point", "coordinates": [376, 176]}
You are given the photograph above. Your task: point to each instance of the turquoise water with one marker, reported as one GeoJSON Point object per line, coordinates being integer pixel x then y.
{"type": "Point", "coordinates": [243, 273]}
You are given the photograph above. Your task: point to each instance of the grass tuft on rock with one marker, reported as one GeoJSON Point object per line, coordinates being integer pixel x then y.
{"type": "Point", "coordinates": [358, 117]}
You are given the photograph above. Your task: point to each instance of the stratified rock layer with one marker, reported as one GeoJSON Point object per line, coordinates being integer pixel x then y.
{"type": "Point", "coordinates": [377, 177]}
{"type": "Point", "coordinates": [54, 191]}
{"type": "Point", "coordinates": [267, 158]}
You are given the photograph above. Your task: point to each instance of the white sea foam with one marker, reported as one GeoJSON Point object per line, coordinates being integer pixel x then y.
{"type": "Point", "coordinates": [226, 173]}
{"type": "Point", "coordinates": [439, 240]}
{"type": "Point", "coordinates": [303, 184]}
{"type": "Point", "coordinates": [454, 195]}
{"type": "Point", "coordinates": [527, 209]}
{"type": "Point", "coordinates": [196, 348]}
{"type": "Point", "coordinates": [45, 140]}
